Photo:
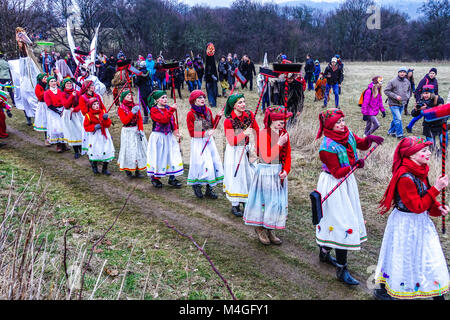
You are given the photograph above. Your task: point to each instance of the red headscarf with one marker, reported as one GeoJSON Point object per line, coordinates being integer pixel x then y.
{"type": "Point", "coordinates": [275, 113]}
{"type": "Point", "coordinates": [327, 120]}
{"type": "Point", "coordinates": [403, 164]}
{"type": "Point", "coordinates": [195, 94]}
{"type": "Point", "coordinates": [97, 114]}
{"type": "Point", "coordinates": [85, 86]}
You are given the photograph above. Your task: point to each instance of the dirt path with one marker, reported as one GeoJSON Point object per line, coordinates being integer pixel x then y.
{"type": "Point", "coordinates": [296, 269]}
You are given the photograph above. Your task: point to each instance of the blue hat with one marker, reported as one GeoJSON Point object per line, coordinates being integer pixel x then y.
{"type": "Point", "coordinates": [284, 56]}
{"type": "Point", "coordinates": [337, 56]}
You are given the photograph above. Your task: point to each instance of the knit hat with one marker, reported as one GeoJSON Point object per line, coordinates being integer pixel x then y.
{"type": "Point", "coordinates": [155, 95]}
{"type": "Point", "coordinates": [231, 101]}
{"type": "Point", "coordinates": [433, 70]}
{"type": "Point", "coordinates": [195, 94]}
{"type": "Point", "coordinates": [149, 56]}
{"type": "Point", "coordinates": [377, 79]}
{"type": "Point", "coordinates": [124, 94]}
{"type": "Point", "coordinates": [275, 113]}
{"type": "Point", "coordinates": [337, 56]}
{"type": "Point", "coordinates": [328, 118]}
{"type": "Point", "coordinates": [404, 69]}
{"type": "Point", "coordinates": [334, 59]}
{"type": "Point", "coordinates": [317, 61]}
{"type": "Point", "coordinates": [428, 88]}
{"type": "Point", "coordinates": [63, 83]}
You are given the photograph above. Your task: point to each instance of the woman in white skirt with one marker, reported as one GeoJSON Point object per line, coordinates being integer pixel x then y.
{"type": "Point", "coordinates": [54, 98]}
{"type": "Point", "coordinates": [100, 144]}
{"type": "Point", "coordinates": [40, 119]}
{"type": "Point", "coordinates": [204, 168]}
{"type": "Point", "coordinates": [411, 263]}
{"type": "Point", "coordinates": [267, 204]}
{"type": "Point", "coordinates": [133, 143]}
{"type": "Point", "coordinates": [239, 125]}
{"type": "Point", "coordinates": [72, 117]}
{"type": "Point", "coordinates": [163, 151]}
{"type": "Point", "coordinates": [342, 226]}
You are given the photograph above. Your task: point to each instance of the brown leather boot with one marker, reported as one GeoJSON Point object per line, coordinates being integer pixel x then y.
{"type": "Point", "coordinates": [273, 238]}
{"type": "Point", "coordinates": [262, 235]}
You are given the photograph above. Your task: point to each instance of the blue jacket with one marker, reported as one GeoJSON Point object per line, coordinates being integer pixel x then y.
{"type": "Point", "coordinates": [316, 71]}
{"type": "Point", "coordinates": [150, 66]}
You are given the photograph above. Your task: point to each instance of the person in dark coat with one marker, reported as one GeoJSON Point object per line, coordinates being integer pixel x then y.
{"type": "Point", "coordinates": [211, 76]}
{"type": "Point", "coordinates": [144, 84]}
{"type": "Point", "coordinates": [334, 76]}
{"type": "Point", "coordinates": [247, 68]}
{"type": "Point", "coordinates": [429, 79]}
{"type": "Point", "coordinates": [309, 72]}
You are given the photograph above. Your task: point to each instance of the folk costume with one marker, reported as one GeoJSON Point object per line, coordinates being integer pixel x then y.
{"type": "Point", "coordinates": [236, 188]}
{"type": "Point", "coordinates": [133, 143]}
{"type": "Point", "coordinates": [40, 119]}
{"type": "Point", "coordinates": [342, 226]}
{"type": "Point", "coordinates": [267, 204]}
{"type": "Point", "coordinates": [100, 144]}
{"type": "Point", "coordinates": [72, 117]}
{"type": "Point", "coordinates": [54, 99]}
{"type": "Point", "coordinates": [4, 105]}
{"type": "Point", "coordinates": [411, 263]}
{"type": "Point", "coordinates": [86, 93]}
{"type": "Point", "coordinates": [163, 151]}
{"type": "Point", "coordinates": [204, 168]}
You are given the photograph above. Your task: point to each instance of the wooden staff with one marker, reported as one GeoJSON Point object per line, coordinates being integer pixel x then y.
{"type": "Point", "coordinates": [251, 123]}
{"type": "Point", "coordinates": [175, 101]}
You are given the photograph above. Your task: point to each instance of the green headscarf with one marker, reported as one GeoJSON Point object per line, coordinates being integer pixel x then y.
{"type": "Point", "coordinates": [63, 83]}
{"type": "Point", "coordinates": [231, 101]}
{"type": "Point", "coordinates": [40, 76]}
{"type": "Point", "coordinates": [48, 81]}
{"type": "Point", "coordinates": [123, 95]}
{"type": "Point", "coordinates": [155, 95]}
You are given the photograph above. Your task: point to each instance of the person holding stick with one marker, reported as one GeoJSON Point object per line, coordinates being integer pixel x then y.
{"type": "Point", "coordinates": [342, 226]}
{"type": "Point", "coordinates": [100, 145]}
{"type": "Point", "coordinates": [267, 202]}
{"type": "Point", "coordinates": [163, 151]}
{"type": "Point", "coordinates": [206, 168]}
{"type": "Point", "coordinates": [133, 143]}
{"type": "Point", "coordinates": [239, 125]}
{"type": "Point", "coordinates": [40, 119]}
{"type": "Point", "coordinates": [411, 263]}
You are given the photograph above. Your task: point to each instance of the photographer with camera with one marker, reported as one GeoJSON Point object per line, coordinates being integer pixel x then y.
{"type": "Point", "coordinates": [429, 100]}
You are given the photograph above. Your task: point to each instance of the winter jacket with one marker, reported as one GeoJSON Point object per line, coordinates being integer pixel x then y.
{"type": "Point", "coordinates": [150, 65]}
{"type": "Point", "coordinates": [210, 70]}
{"type": "Point", "coordinates": [316, 71]}
{"type": "Point", "coordinates": [372, 105]}
{"type": "Point", "coordinates": [223, 69]}
{"type": "Point", "coordinates": [309, 66]}
{"type": "Point", "coordinates": [4, 70]}
{"type": "Point", "coordinates": [190, 74]}
{"type": "Point", "coordinates": [333, 76]}
{"type": "Point", "coordinates": [398, 87]}
{"type": "Point", "coordinates": [426, 81]}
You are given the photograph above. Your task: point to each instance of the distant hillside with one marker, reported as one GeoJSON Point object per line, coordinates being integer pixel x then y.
{"type": "Point", "coordinates": [409, 7]}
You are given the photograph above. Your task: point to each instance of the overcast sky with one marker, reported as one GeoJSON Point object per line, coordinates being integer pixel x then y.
{"type": "Point", "coordinates": [228, 2]}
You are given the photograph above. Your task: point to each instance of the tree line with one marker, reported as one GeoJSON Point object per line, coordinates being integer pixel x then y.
{"type": "Point", "coordinates": [246, 27]}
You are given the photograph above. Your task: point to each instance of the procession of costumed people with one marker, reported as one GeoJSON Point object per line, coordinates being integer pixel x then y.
{"type": "Point", "coordinates": [257, 162]}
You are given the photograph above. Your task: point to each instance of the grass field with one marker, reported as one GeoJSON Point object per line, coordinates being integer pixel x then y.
{"type": "Point", "coordinates": [140, 258]}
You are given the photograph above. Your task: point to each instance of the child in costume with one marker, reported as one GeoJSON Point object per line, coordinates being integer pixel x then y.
{"type": "Point", "coordinates": [100, 145]}
{"type": "Point", "coordinates": [54, 98]}
{"type": "Point", "coordinates": [133, 143]}
{"type": "Point", "coordinates": [342, 226]}
{"type": "Point", "coordinates": [4, 105]}
{"type": "Point", "coordinates": [205, 168]}
{"type": "Point", "coordinates": [40, 119]}
{"type": "Point", "coordinates": [239, 125]}
{"type": "Point", "coordinates": [411, 263]}
{"type": "Point", "coordinates": [267, 203]}
{"type": "Point", "coordinates": [163, 151]}
{"type": "Point", "coordinates": [72, 117]}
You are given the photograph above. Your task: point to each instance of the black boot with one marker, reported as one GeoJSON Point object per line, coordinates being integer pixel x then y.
{"type": "Point", "coordinates": [198, 190]}
{"type": "Point", "coordinates": [145, 120]}
{"type": "Point", "coordinates": [325, 256]}
{"type": "Point", "coordinates": [236, 210]}
{"type": "Point", "coordinates": [29, 123]}
{"type": "Point", "coordinates": [105, 169]}
{"type": "Point", "coordinates": [156, 183]}
{"type": "Point", "coordinates": [343, 275]}
{"type": "Point", "coordinates": [174, 182]}
{"type": "Point", "coordinates": [77, 150]}
{"type": "Point", "coordinates": [381, 294]}
{"type": "Point", "coordinates": [129, 174]}
{"type": "Point", "coordinates": [210, 192]}
{"type": "Point", "coordinates": [138, 174]}
{"type": "Point", "coordinates": [94, 167]}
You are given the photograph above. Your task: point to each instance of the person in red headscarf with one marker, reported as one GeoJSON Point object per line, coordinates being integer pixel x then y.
{"type": "Point", "coordinates": [133, 143]}
{"type": "Point", "coordinates": [411, 263]}
{"type": "Point", "coordinates": [204, 168]}
{"type": "Point", "coordinates": [342, 226]}
{"type": "Point", "coordinates": [100, 145]}
{"type": "Point", "coordinates": [267, 203]}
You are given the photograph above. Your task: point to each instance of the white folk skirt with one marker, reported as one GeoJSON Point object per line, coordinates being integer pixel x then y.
{"type": "Point", "coordinates": [236, 188]}
{"type": "Point", "coordinates": [72, 127]}
{"type": "Point", "coordinates": [55, 127]}
{"type": "Point", "coordinates": [411, 262]}
{"type": "Point", "coordinates": [204, 168]}
{"type": "Point", "coordinates": [100, 148]}
{"type": "Point", "coordinates": [267, 204]}
{"type": "Point", "coordinates": [342, 225]}
{"type": "Point", "coordinates": [40, 119]}
{"type": "Point", "coordinates": [163, 155]}
{"type": "Point", "coordinates": [133, 150]}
